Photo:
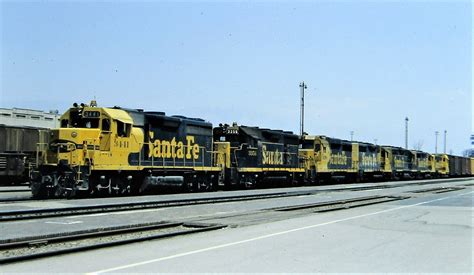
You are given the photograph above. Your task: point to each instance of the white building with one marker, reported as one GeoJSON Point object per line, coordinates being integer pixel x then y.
{"type": "Point", "coordinates": [32, 118]}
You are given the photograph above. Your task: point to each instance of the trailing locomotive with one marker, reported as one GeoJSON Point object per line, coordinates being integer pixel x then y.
{"type": "Point", "coordinates": [252, 156]}
{"type": "Point", "coordinates": [402, 162]}
{"type": "Point", "coordinates": [441, 165]}
{"type": "Point", "coordinates": [115, 151]}
{"type": "Point", "coordinates": [329, 158]}
{"type": "Point", "coordinates": [18, 152]}
{"type": "Point", "coordinates": [424, 165]}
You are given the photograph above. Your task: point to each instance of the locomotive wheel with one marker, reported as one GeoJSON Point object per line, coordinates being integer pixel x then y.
{"type": "Point", "coordinates": [204, 184]}
{"type": "Point", "coordinates": [248, 182]}
{"type": "Point", "coordinates": [38, 191]}
{"type": "Point", "coordinates": [65, 187]}
{"type": "Point", "coordinates": [62, 192]}
{"type": "Point", "coordinates": [198, 184]}
{"type": "Point", "coordinates": [119, 186]}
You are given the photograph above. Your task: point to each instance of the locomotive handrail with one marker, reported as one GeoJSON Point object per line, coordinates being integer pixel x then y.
{"type": "Point", "coordinates": [355, 164]}
{"type": "Point", "coordinates": [139, 153]}
{"type": "Point", "coordinates": [86, 149]}
{"type": "Point", "coordinates": [38, 150]}
{"type": "Point", "coordinates": [240, 148]}
{"type": "Point", "coordinates": [215, 155]}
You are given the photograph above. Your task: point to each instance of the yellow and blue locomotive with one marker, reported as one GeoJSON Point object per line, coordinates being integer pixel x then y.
{"type": "Point", "coordinates": [119, 151]}
{"type": "Point", "coordinates": [253, 156]}
{"type": "Point", "coordinates": [329, 158]}
{"type": "Point", "coordinates": [425, 164]}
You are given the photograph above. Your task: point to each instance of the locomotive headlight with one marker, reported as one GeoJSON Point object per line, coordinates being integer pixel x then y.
{"type": "Point", "coordinates": [74, 134]}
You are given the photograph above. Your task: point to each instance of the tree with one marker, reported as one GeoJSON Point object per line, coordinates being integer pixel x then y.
{"type": "Point", "coordinates": [468, 153]}
{"type": "Point", "coordinates": [418, 145]}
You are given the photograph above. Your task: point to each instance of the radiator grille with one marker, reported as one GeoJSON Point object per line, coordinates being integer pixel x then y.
{"type": "Point", "coordinates": [3, 163]}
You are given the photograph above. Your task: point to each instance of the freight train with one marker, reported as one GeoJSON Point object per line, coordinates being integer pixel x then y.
{"type": "Point", "coordinates": [18, 152]}
{"type": "Point", "coordinates": [113, 151]}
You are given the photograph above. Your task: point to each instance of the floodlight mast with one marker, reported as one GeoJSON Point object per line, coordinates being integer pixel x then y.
{"type": "Point", "coordinates": [303, 87]}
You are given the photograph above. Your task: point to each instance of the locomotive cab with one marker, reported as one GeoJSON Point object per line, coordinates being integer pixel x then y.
{"type": "Point", "coordinates": [86, 131]}
{"type": "Point", "coordinates": [89, 137]}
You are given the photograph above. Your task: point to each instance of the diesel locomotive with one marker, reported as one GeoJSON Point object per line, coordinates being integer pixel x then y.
{"type": "Point", "coordinates": [330, 159]}
{"type": "Point", "coordinates": [121, 151]}
{"type": "Point", "coordinates": [114, 151]}
{"type": "Point", "coordinates": [253, 156]}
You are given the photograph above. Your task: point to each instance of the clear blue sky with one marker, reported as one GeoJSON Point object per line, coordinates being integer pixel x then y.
{"type": "Point", "coordinates": [367, 64]}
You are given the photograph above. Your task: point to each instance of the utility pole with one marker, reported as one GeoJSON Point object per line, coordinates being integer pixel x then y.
{"type": "Point", "coordinates": [352, 135]}
{"type": "Point", "coordinates": [303, 88]}
{"type": "Point", "coordinates": [436, 142]}
{"type": "Point", "coordinates": [406, 132]}
{"type": "Point", "coordinates": [445, 134]}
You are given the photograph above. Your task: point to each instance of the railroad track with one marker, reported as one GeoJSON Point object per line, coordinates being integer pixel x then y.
{"type": "Point", "coordinates": [341, 204]}
{"type": "Point", "coordinates": [91, 209]}
{"type": "Point", "coordinates": [14, 190]}
{"type": "Point", "coordinates": [438, 190]}
{"type": "Point", "coordinates": [27, 248]}
{"type": "Point", "coordinates": [15, 215]}
{"type": "Point", "coordinates": [12, 200]}
{"type": "Point", "coordinates": [14, 250]}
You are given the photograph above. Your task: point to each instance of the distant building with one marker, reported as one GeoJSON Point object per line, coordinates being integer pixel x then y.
{"type": "Point", "coordinates": [32, 118]}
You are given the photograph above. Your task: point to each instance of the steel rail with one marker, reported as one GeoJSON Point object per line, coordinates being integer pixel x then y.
{"type": "Point", "coordinates": [360, 201]}
{"type": "Point", "coordinates": [97, 233]}
{"type": "Point", "coordinates": [102, 208]}
{"type": "Point", "coordinates": [14, 191]}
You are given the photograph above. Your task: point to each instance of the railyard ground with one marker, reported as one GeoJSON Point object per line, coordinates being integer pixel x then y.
{"type": "Point", "coordinates": [426, 233]}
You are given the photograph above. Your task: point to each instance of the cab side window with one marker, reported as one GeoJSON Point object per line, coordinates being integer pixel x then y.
{"type": "Point", "coordinates": [64, 123]}
{"type": "Point", "coordinates": [105, 125]}
{"type": "Point", "coordinates": [123, 129]}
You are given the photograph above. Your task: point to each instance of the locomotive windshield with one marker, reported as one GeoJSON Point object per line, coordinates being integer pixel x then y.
{"type": "Point", "coordinates": [82, 119]}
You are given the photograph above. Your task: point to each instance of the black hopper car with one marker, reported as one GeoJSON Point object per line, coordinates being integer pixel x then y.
{"type": "Point", "coordinates": [18, 149]}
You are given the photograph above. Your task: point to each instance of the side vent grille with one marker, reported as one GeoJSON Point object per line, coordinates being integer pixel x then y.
{"type": "Point", "coordinates": [3, 163]}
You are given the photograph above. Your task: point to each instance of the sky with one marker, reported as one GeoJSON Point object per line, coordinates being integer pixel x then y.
{"type": "Point", "coordinates": [367, 65]}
